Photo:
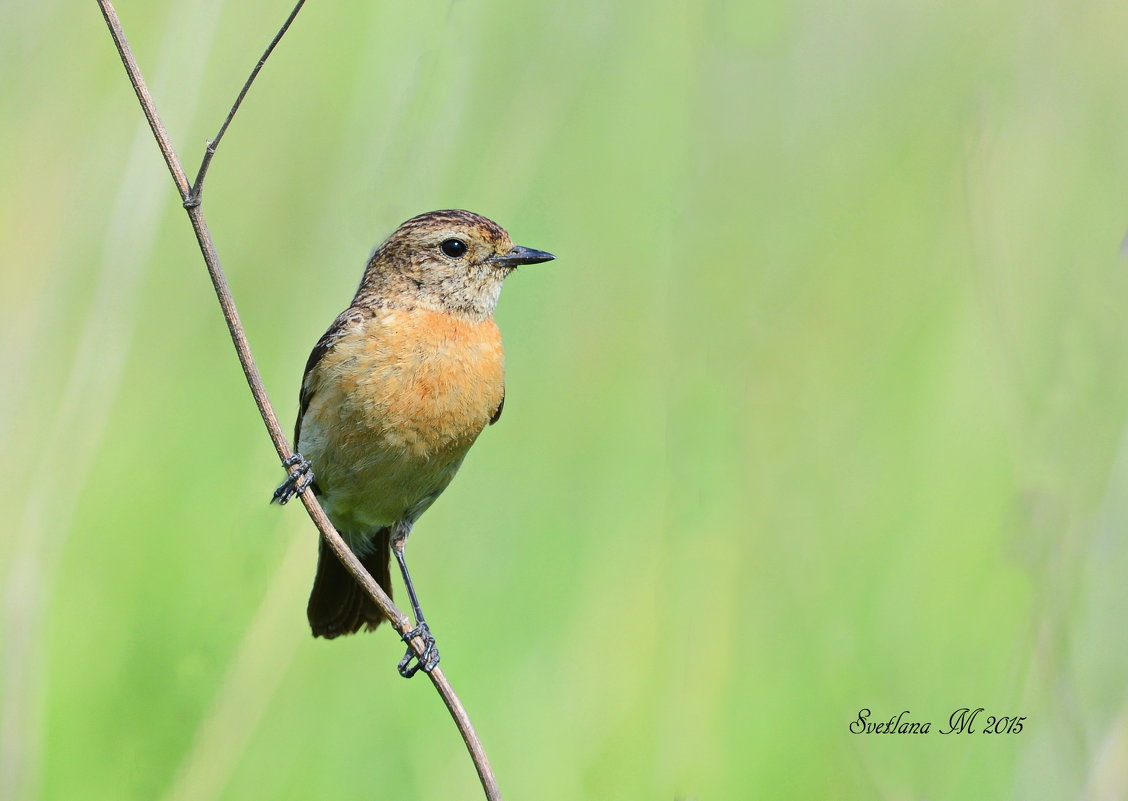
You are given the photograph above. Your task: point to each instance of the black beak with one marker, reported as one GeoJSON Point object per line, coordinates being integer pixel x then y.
{"type": "Point", "coordinates": [520, 255]}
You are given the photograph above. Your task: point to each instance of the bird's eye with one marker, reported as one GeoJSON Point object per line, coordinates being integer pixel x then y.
{"type": "Point", "coordinates": [455, 248]}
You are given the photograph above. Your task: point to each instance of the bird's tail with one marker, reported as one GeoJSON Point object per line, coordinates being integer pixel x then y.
{"type": "Point", "coordinates": [337, 604]}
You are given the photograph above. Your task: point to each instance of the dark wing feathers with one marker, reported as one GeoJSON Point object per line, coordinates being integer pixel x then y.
{"type": "Point", "coordinates": [328, 339]}
{"type": "Point", "coordinates": [500, 406]}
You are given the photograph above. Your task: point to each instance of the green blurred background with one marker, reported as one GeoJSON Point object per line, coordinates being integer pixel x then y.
{"type": "Point", "coordinates": [822, 406]}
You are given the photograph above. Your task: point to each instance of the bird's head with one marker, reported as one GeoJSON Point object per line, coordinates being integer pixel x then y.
{"type": "Point", "coordinates": [450, 260]}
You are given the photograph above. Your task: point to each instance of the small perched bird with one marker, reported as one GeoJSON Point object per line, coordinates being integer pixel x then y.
{"type": "Point", "coordinates": [394, 395]}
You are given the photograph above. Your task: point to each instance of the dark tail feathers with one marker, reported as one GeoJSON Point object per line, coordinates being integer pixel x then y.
{"type": "Point", "coordinates": [337, 604]}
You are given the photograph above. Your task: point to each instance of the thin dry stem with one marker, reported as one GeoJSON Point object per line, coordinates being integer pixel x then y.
{"type": "Point", "coordinates": [190, 196]}
{"type": "Point", "coordinates": [213, 144]}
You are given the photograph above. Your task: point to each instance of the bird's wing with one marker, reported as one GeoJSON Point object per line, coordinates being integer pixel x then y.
{"type": "Point", "coordinates": [345, 319]}
{"type": "Point", "coordinates": [497, 412]}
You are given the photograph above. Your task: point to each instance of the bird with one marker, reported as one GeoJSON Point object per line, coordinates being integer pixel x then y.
{"type": "Point", "coordinates": [393, 396]}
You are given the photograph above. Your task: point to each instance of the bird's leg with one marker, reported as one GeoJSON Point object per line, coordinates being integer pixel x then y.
{"type": "Point", "coordinates": [301, 476]}
{"type": "Point", "coordinates": [430, 656]}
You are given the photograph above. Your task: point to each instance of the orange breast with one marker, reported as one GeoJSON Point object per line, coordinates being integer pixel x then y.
{"type": "Point", "coordinates": [396, 403]}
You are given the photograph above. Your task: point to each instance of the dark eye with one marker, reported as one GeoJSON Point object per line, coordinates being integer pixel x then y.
{"type": "Point", "coordinates": [454, 248]}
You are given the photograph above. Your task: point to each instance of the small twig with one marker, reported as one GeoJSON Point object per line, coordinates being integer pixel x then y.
{"type": "Point", "coordinates": [213, 144]}
{"type": "Point", "coordinates": [190, 197]}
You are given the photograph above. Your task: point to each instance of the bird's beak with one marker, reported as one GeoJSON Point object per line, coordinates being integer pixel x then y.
{"type": "Point", "coordinates": [520, 255]}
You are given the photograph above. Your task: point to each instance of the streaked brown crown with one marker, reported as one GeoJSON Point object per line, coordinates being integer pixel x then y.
{"type": "Point", "coordinates": [453, 219]}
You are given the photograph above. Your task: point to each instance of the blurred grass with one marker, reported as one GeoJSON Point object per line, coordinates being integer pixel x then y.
{"type": "Point", "coordinates": [821, 407]}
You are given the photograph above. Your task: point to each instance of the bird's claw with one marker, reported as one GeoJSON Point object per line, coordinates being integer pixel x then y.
{"type": "Point", "coordinates": [301, 476]}
{"type": "Point", "coordinates": [413, 662]}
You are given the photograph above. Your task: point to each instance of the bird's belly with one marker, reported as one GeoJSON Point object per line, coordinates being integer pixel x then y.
{"type": "Point", "coordinates": [384, 489]}
{"type": "Point", "coordinates": [394, 414]}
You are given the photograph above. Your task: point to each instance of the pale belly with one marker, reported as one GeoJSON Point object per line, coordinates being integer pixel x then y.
{"type": "Point", "coordinates": [384, 489]}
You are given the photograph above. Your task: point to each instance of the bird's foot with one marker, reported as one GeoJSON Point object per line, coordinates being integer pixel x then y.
{"type": "Point", "coordinates": [301, 476]}
{"type": "Point", "coordinates": [427, 661]}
